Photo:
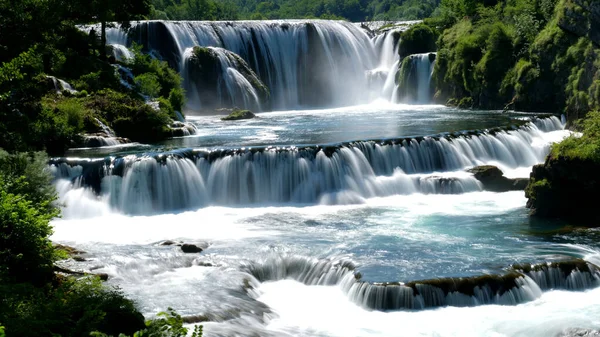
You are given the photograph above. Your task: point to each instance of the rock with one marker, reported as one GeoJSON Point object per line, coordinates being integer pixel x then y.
{"type": "Point", "coordinates": [188, 248]}
{"type": "Point", "coordinates": [565, 188]}
{"type": "Point", "coordinates": [69, 250]}
{"type": "Point", "coordinates": [579, 333]}
{"type": "Point", "coordinates": [582, 18]}
{"type": "Point", "coordinates": [195, 319]}
{"type": "Point", "coordinates": [181, 129]}
{"type": "Point", "coordinates": [239, 115]}
{"type": "Point", "coordinates": [167, 243]}
{"type": "Point", "coordinates": [102, 276]}
{"type": "Point", "coordinates": [494, 180]}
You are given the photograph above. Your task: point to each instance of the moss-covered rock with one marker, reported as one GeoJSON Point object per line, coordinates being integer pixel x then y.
{"type": "Point", "coordinates": [418, 39]}
{"type": "Point", "coordinates": [239, 115]}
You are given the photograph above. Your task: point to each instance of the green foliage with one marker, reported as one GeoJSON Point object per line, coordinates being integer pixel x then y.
{"type": "Point", "coordinates": [352, 10]}
{"type": "Point", "coordinates": [585, 147]}
{"type": "Point", "coordinates": [418, 39]}
{"type": "Point", "coordinates": [26, 174]}
{"type": "Point", "coordinates": [130, 116]}
{"type": "Point", "coordinates": [148, 84]}
{"type": "Point", "coordinates": [177, 99]}
{"type": "Point", "coordinates": [168, 79]}
{"type": "Point", "coordinates": [26, 207]}
{"type": "Point", "coordinates": [26, 254]}
{"type": "Point", "coordinates": [72, 307]}
{"type": "Point", "coordinates": [166, 324]}
{"type": "Point", "coordinates": [514, 53]}
{"type": "Point", "coordinates": [35, 301]}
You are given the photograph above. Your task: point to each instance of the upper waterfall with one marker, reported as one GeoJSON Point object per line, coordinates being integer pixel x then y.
{"type": "Point", "coordinates": [309, 63]}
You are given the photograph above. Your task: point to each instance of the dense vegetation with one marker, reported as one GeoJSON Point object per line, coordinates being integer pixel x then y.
{"type": "Point", "coordinates": [529, 55]}
{"type": "Point", "coordinates": [39, 45]}
{"type": "Point", "coordinates": [34, 300]}
{"type": "Point", "coordinates": [353, 10]}
{"type": "Point", "coordinates": [37, 112]}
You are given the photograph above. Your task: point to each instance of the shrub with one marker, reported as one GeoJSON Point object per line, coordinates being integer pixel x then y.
{"type": "Point", "coordinates": [144, 124]}
{"type": "Point", "coordinates": [148, 85]}
{"type": "Point", "coordinates": [418, 39]}
{"type": "Point", "coordinates": [585, 147]}
{"type": "Point", "coordinates": [26, 253]}
{"type": "Point", "coordinates": [74, 307]}
{"type": "Point", "coordinates": [177, 99]}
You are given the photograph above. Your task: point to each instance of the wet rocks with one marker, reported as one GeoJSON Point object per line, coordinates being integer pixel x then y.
{"type": "Point", "coordinates": [579, 333]}
{"type": "Point", "coordinates": [493, 179]}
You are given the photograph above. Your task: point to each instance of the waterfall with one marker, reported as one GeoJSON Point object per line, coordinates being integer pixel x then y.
{"type": "Point", "coordinates": [413, 78]}
{"type": "Point", "coordinates": [513, 287]}
{"type": "Point", "coordinates": [305, 63]}
{"type": "Point", "coordinates": [216, 77]}
{"type": "Point", "coordinates": [342, 173]}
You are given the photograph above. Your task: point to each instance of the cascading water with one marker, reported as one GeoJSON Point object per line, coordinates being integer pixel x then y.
{"type": "Point", "coordinates": [336, 174]}
{"type": "Point", "coordinates": [303, 63]}
{"type": "Point", "coordinates": [413, 79]}
{"type": "Point", "coordinates": [216, 77]}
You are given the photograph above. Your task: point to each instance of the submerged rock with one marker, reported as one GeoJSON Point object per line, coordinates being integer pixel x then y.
{"type": "Point", "coordinates": [493, 179]}
{"type": "Point", "coordinates": [239, 115]}
{"type": "Point", "coordinates": [565, 188]}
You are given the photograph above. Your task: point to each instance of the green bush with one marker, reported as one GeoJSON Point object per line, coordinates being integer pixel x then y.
{"type": "Point", "coordinates": [72, 307]}
{"type": "Point", "coordinates": [27, 174]}
{"type": "Point", "coordinates": [418, 39]}
{"type": "Point", "coordinates": [166, 324]}
{"type": "Point", "coordinates": [26, 253]}
{"type": "Point", "coordinates": [148, 85]}
{"type": "Point", "coordinates": [143, 124]}
{"type": "Point", "coordinates": [167, 78]}
{"type": "Point", "coordinates": [586, 147]}
{"type": "Point", "coordinates": [177, 99]}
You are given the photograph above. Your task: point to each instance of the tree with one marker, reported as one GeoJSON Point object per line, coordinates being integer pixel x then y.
{"type": "Point", "coordinates": [121, 12]}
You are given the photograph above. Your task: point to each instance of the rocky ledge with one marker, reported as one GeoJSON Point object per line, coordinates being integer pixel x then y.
{"type": "Point", "coordinates": [493, 179]}
{"type": "Point", "coordinates": [565, 188]}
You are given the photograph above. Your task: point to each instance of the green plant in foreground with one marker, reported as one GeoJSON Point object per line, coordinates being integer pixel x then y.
{"type": "Point", "coordinates": [166, 324]}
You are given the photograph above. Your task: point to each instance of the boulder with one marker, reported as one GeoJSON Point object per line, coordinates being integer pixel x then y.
{"type": "Point", "coordinates": [565, 187]}
{"type": "Point", "coordinates": [237, 115]}
{"type": "Point", "coordinates": [418, 39]}
{"type": "Point", "coordinates": [190, 249]}
{"type": "Point", "coordinates": [494, 180]}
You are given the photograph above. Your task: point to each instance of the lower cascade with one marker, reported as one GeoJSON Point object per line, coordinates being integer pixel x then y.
{"type": "Point", "coordinates": [345, 173]}
{"type": "Point", "coordinates": [522, 283]}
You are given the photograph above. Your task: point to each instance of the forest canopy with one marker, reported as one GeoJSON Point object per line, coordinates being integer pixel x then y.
{"type": "Point", "coordinates": [352, 10]}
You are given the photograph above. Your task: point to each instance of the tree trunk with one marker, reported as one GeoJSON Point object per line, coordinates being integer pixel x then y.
{"type": "Point", "coordinates": [103, 41]}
